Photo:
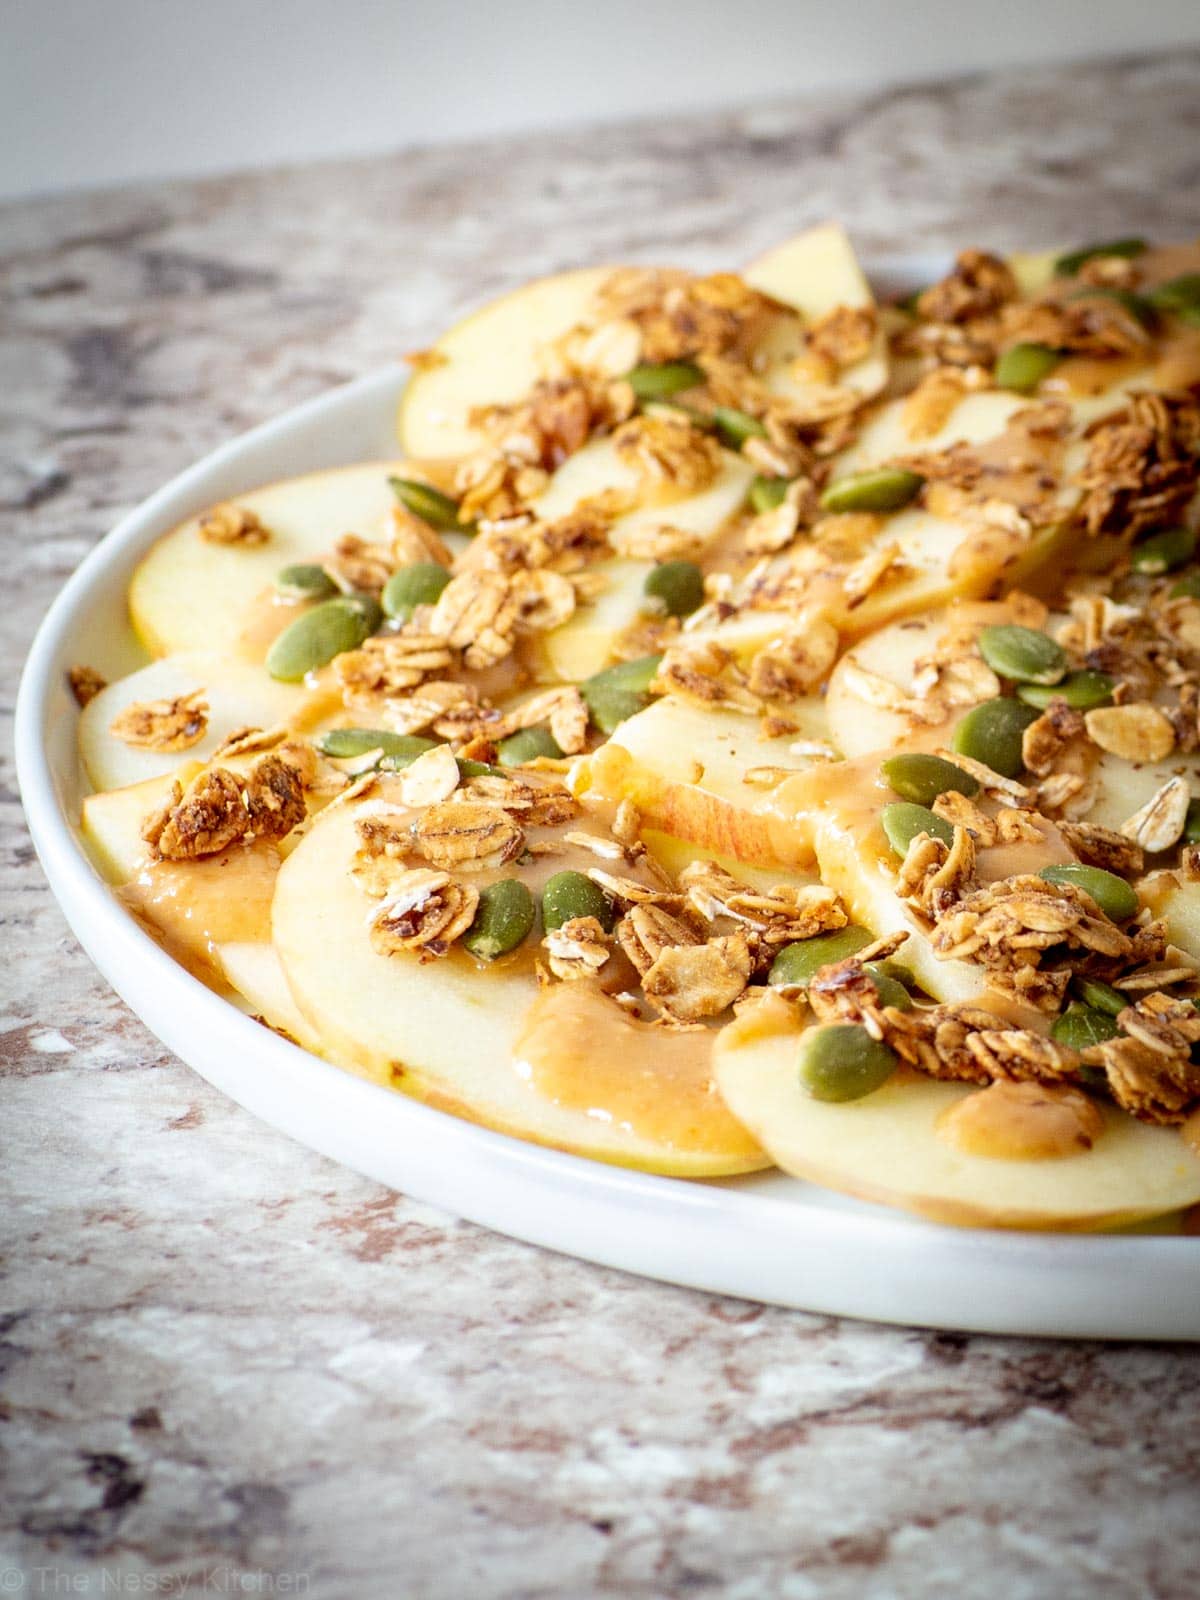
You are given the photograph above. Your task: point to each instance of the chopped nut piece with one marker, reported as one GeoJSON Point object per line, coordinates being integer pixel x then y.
{"type": "Point", "coordinates": [577, 949]}
{"type": "Point", "coordinates": [163, 724]}
{"type": "Point", "coordinates": [423, 910]}
{"type": "Point", "coordinates": [1159, 823]}
{"type": "Point", "coordinates": [1136, 731]}
{"type": "Point", "coordinates": [467, 834]}
{"type": "Point", "coordinates": [230, 524]}
{"type": "Point", "coordinates": [86, 683]}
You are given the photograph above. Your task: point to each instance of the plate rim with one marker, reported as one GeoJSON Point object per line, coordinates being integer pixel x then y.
{"type": "Point", "coordinates": [712, 1236]}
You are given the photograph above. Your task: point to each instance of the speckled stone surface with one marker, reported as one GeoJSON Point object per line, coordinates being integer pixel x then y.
{"type": "Point", "coordinates": [231, 1367]}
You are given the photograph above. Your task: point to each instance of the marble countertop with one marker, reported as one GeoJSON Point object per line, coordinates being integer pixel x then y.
{"type": "Point", "coordinates": [230, 1366]}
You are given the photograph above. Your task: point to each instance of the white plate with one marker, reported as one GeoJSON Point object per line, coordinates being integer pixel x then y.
{"type": "Point", "coordinates": [766, 1237]}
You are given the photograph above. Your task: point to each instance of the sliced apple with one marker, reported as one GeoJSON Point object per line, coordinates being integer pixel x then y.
{"type": "Point", "coordinates": [239, 695]}
{"type": "Point", "coordinates": [492, 357]}
{"type": "Point", "coordinates": [472, 1040]}
{"type": "Point", "coordinates": [191, 594]}
{"type": "Point", "coordinates": [815, 273]}
{"type": "Point", "coordinates": [685, 768]}
{"type": "Point", "coordinates": [254, 971]}
{"type": "Point", "coordinates": [887, 1147]}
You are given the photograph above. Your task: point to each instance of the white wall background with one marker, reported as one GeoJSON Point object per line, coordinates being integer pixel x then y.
{"type": "Point", "coordinates": [101, 91]}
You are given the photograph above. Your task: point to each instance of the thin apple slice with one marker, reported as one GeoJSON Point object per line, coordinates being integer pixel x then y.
{"type": "Point", "coordinates": [473, 1040]}
{"type": "Point", "coordinates": [815, 273]}
{"type": "Point", "coordinates": [691, 772]}
{"type": "Point", "coordinates": [252, 968]}
{"type": "Point", "coordinates": [887, 1147]}
{"type": "Point", "coordinates": [191, 594]}
{"type": "Point", "coordinates": [491, 357]}
{"type": "Point", "coordinates": [238, 696]}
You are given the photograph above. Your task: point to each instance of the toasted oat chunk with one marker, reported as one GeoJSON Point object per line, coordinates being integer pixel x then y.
{"type": "Point", "coordinates": [220, 809]}
{"type": "Point", "coordinates": [932, 403]}
{"type": "Point", "coordinates": [844, 335]}
{"type": "Point", "coordinates": [704, 673]}
{"type": "Point", "coordinates": [541, 600]}
{"type": "Point", "coordinates": [537, 804]}
{"type": "Point", "coordinates": [477, 614]}
{"type": "Point", "coordinates": [1012, 923]}
{"type": "Point", "coordinates": [1149, 1067]}
{"type": "Point", "coordinates": [467, 834]}
{"type": "Point", "coordinates": [668, 451]}
{"type": "Point", "coordinates": [647, 929]}
{"type": "Point", "coordinates": [796, 663]}
{"type": "Point", "coordinates": [777, 916]}
{"type": "Point", "coordinates": [1142, 466]}
{"type": "Point", "coordinates": [250, 740]}
{"type": "Point", "coordinates": [1135, 731]}
{"type": "Point", "coordinates": [692, 982]}
{"type": "Point", "coordinates": [578, 949]}
{"type": "Point", "coordinates": [1044, 741]}
{"type": "Point", "coordinates": [163, 724]}
{"type": "Point", "coordinates": [232, 524]}
{"type": "Point", "coordinates": [424, 911]}
{"type": "Point", "coordinates": [978, 286]}
{"type": "Point", "coordinates": [86, 683]}
{"type": "Point", "coordinates": [935, 876]}
{"type": "Point", "coordinates": [356, 564]}
{"type": "Point", "coordinates": [963, 1044]}
{"type": "Point", "coordinates": [391, 664]}
{"type": "Point", "coordinates": [1103, 847]}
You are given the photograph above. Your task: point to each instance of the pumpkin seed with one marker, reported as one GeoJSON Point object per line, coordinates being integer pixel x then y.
{"type": "Point", "coordinates": [1113, 895]}
{"type": "Point", "coordinates": [903, 820]}
{"type": "Point", "coordinates": [1163, 552]}
{"type": "Point", "coordinates": [675, 588]}
{"type": "Point", "coordinates": [1081, 1026]}
{"type": "Point", "coordinates": [573, 894]}
{"type": "Point", "coordinates": [1023, 366]}
{"type": "Point", "coordinates": [418, 584]}
{"type": "Point", "coordinates": [504, 919]}
{"type": "Point", "coordinates": [797, 964]}
{"type": "Point", "coordinates": [1186, 588]}
{"type": "Point", "coordinates": [1082, 690]}
{"type": "Point", "coordinates": [735, 427]}
{"type": "Point", "coordinates": [1100, 996]}
{"type": "Point", "coordinates": [991, 732]}
{"type": "Point", "coordinates": [618, 693]}
{"type": "Point", "coordinates": [1068, 265]}
{"type": "Point", "coordinates": [1177, 294]}
{"type": "Point", "coordinates": [1191, 826]}
{"type": "Point", "coordinates": [884, 489]}
{"type": "Point", "coordinates": [399, 749]}
{"type": "Point", "coordinates": [428, 503]}
{"type": "Point", "coordinates": [319, 634]}
{"type": "Point", "coordinates": [1023, 654]}
{"type": "Point", "coordinates": [527, 744]}
{"type": "Point", "coordinates": [766, 494]}
{"type": "Point", "coordinates": [891, 991]}
{"type": "Point", "coordinates": [305, 581]}
{"type": "Point", "coordinates": [920, 777]}
{"type": "Point", "coordinates": [843, 1062]}
{"type": "Point", "coordinates": [659, 380]}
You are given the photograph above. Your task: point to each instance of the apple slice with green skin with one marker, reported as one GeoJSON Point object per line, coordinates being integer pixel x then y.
{"type": "Point", "coordinates": [191, 594]}
{"type": "Point", "coordinates": [239, 696]}
{"type": "Point", "coordinates": [684, 767]}
{"type": "Point", "coordinates": [562, 1068]}
{"type": "Point", "coordinates": [815, 273]}
{"type": "Point", "coordinates": [492, 357]}
{"type": "Point", "coordinates": [890, 1147]}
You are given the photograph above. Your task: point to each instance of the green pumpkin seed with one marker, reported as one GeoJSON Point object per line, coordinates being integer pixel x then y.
{"type": "Point", "coordinates": [478, 769]}
{"type": "Point", "coordinates": [1191, 826]}
{"type": "Point", "coordinates": [991, 733]}
{"type": "Point", "coordinates": [1082, 690]}
{"type": "Point", "coordinates": [903, 820]}
{"type": "Point", "coordinates": [1177, 294]}
{"type": "Point", "coordinates": [428, 503]}
{"type": "Point", "coordinates": [418, 584]}
{"type": "Point", "coordinates": [399, 749]}
{"type": "Point", "coordinates": [797, 964]}
{"type": "Point", "coordinates": [1023, 366]}
{"type": "Point", "coordinates": [1068, 265]}
{"type": "Point", "coordinates": [766, 494]}
{"type": "Point", "coordinates": [920, 777]}
{"type": "Point", "coordinates": [572, 894]}
{"type": "Point", "coordinates": [1113, 895]}
{"type": "Point", "coordinates": [325, 631]}
{"type": "Point", "coordinates": [659, 380]}
{"type": "Point", "coordinates": [891, 991]}
{"type": "Point", "coordinates": [843, 1062]}
{"type": "Point", "coordinates": [1100, 996]}
{"type": "Point", "coordinates": [1023, 654]}
{"type": "Point", "coordinates": [735, 427]}
{"type": "Point", "coordinates": [504, 919]}
{"type": "Point", "coordinates": [893, 969]}
{"type": "Point", "coordinates": [305, 581]}
{"type": "Point", "coordinates": [1190, 315]}
{"type": "Point", "coordinates": [528, 744]}
{"type": "Point", "coordinates": [1138, 308]}
{"type": "Point", "coordinates": [1163, 552]}
{"type": "Point", "coordinates": [618, 693]}
{"type": "Point", "coordinates": [1081, 1026]}
{"type": "Point", "coordinates": [884, 489]}
{"type": "Point", "coordinates": [675, 588]}
{"type": "Point", "coordinates": [1186, 588]}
